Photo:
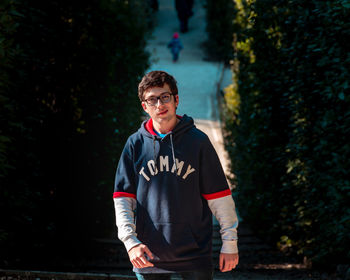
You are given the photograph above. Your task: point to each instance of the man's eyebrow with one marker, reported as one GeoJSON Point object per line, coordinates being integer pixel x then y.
{"type": "Point", "coordinates": [159, 94]}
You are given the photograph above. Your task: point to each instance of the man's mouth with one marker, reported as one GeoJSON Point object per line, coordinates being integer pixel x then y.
{"type": "Point", "coordinates": [162, 112]}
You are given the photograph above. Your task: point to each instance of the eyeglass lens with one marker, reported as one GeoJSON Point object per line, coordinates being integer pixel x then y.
{"type": "Point", "coordinates": [164, 98]}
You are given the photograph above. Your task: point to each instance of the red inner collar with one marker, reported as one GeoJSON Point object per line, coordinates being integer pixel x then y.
{"type": "Point", "coordinates": [149, 125]}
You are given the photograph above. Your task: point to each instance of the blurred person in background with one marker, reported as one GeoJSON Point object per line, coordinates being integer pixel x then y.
{"type": "Point", "coordinates": [184, 12]}
{"type": "Point", "coordinates": [154, 4]}
{"type": "Point", "coordinates": [175, 46]}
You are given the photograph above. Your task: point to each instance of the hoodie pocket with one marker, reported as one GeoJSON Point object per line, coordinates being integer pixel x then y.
{"type": "Point", "coordinates": [171, 242]}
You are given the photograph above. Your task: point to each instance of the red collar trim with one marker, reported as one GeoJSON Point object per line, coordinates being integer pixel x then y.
{"type": "Point", "coordinates": [149, 125]}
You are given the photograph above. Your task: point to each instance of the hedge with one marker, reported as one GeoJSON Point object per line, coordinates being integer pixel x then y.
{"type": "Point", "coordinates": [68, 101]}
{"type": "Point", "coordinates": [219, 27]}
{"type": "Point", "coordinates": [288, 124]}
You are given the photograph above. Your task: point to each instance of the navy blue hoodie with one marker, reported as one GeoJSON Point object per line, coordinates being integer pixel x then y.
{"type": "Point", "coordinates": [171, 179]}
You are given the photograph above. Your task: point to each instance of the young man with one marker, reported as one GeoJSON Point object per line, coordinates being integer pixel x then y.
{"type": "Point", "coordinates": [168, 183]}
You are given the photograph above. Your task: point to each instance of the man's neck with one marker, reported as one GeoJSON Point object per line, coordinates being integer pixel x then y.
{"type": "Point", "coordinates": [165, 127]}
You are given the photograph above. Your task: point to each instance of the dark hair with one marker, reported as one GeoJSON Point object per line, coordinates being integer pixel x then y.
{"type": "Point", "coordinates": [157, 79]}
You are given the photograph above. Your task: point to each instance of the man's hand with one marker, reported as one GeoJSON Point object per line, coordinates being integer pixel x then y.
{"type": "Point", "coordinates": [137, 256]}
{"type": "Point", "coordinates": [228, 261]}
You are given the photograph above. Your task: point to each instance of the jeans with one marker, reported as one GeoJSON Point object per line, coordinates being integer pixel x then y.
{"type": "Point", "coordinates": [188, 275]}
{"type": "Point", "coordinates": [175, 56]}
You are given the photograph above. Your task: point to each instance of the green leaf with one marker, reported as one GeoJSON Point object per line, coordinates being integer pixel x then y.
{"type": "Point", "coordinates": [15, 13]}
{"type": "Point", "coordinates": [346, 4]}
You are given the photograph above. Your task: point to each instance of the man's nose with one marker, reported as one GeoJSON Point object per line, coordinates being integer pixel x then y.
{"type": "Point", "coordinates": [159, 102]}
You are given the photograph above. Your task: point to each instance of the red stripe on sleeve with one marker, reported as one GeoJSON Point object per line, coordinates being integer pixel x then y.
{"type": "Point", "coordinates": [217, 194]}
{"type": "Point", "coordinates": [123, 194]}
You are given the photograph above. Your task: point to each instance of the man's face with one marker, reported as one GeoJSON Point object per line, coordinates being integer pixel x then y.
{"type": "Point", "coordinates": [161, 112]}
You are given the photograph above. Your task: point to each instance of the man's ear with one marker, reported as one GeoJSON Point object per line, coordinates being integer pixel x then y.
{"type": "Point", "coordinates": [177, 100]}
{"type": "Point", "coordinates": [144, 106]}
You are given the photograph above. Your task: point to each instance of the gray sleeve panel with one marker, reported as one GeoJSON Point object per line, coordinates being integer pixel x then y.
{"type": "Point", "coordinates": [224, 210]}
{"type": "Point", "coordinates": [125, 220]}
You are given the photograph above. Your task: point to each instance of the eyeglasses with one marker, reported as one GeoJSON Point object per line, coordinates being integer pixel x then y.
{"type": "Point", "coordinates": [164, 98]}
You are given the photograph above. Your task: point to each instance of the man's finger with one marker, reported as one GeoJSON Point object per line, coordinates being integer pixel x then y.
{"type": "Point", "coordinates": [221, 262]}
{"type": "Point", "coordinates": [135, 264]}
{"type": "Point", "coordinates": [228, 267]}
{"type": "Point", "coordinates": [141, 260]}
{"type": "Point", "coordinates": [225, 268]}
{"type": "Point", "coordinates": [148, 252]}
{"type": "Point", "coordinates": [145, 262]}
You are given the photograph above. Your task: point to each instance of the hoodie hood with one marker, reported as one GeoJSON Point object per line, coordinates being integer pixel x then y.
{"type": "Point", "coordinates": [146, 129]}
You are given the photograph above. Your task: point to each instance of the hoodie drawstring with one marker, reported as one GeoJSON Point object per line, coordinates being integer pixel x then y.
{"type": "Point", "coordinates": [154, 149]}
{"type": "Point", "coordinates": [172, 149]}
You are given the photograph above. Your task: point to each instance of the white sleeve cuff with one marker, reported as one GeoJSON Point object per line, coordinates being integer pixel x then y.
{"type": "Point", "coordinates": [131, 242]}
{"type": "Point", "coordinates": [229, 247]}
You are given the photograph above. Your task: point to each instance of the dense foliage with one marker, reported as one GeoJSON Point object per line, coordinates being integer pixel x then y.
{"type": "Point", "coordinates": [288, 123]}
{"type": "Point", "coordinates": [219, 17]}
{"type": "Point", "coordinates": [68, 101]}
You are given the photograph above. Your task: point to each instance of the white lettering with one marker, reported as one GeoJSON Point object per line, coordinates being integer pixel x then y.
{"type": "Point", "coordinates": [188, 172]}
{"type": "Point", "coordinates": [152, 167]}
{"type": "Point", "coordinates": [144, 174]}
{"type": "Point", "coordinates": [164, 165]}
{"type": "Point", "coordinates": [179, 165]}
{"type": "Point", "coordinates": [164, 162]}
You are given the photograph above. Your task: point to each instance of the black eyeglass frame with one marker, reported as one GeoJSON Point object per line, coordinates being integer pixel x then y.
{"type": "Point", "coordinates": [159, 98]}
